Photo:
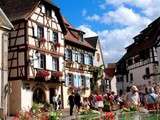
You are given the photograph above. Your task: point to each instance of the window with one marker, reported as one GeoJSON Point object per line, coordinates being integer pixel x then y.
{"type": "Point", "coordinates": [83, 80]}
{"type": "Point", "coordinates": [69, 54]}
{"type": "Point", "coordinates": [48, 12]}
{"type": "Point", "coordinates": [98, 57]}
{"type": "Point", "coordinates": [42, 61]}
{"type": "Point", "coordinates": [40, 32]}
{"type": "Point", "coordinates": [144, 54]}
{"type": "Point", "coordinates": [131, 77]}
{"type": "Point", "coordinates": [147, 71]}
{"type": "Point", "coordinates": [90, 60]}
{"type": "Point", "coordinates": [137, 59]}
{"type": "Point", "coordinates": [82, 58]}
{"type": "Point", "coordinates": [76, 56]}
{"type": "Point", "coordinates": [55, 37]}
{"type": "Point", "coordinates": [70, 79]}
{"type": "Point", "coordinates": [130, 62]}
{"type": "Point", "coordinates": [55, 64]}
{"type": "Point", "coordinates": [48, 34]}
{"type": "Point", "coordinates": [81, 38]}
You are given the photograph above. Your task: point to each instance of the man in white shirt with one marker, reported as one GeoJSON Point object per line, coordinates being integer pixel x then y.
{"type": "Point", "coordinates": [133, 98]}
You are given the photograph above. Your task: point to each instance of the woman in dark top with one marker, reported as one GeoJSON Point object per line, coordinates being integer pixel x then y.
{"type": "Point", "coordinates": [71, 103]}
{"type": "Point", "coordinates": [77, 101]}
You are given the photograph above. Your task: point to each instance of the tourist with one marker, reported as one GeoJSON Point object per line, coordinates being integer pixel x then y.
{"type": "Point", "coordinates": [77, 100]}
{"type": "Point", "coordinates": [71, 102]}
{"type": "Point", "coordinates": [99, 102]}
{"type": "Point", "coordinates": [133, 98]}
{"type": "Point", "coordinates": [59, 102]}
{"type": "Point", "coordinates": [151, 100]}
{"type": "Point", "coordinates": [54, 99]}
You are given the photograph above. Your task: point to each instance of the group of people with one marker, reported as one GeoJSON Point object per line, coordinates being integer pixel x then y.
{"type": "Point", "coordinates": [74, 100]}
{"type": "Point", "coordinates": [135, 97]}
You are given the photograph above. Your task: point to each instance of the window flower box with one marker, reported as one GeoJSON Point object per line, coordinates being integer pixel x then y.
{"type": "Point", "coordinates": [42, 40]}
{"type": "Point", "coordinates": [42, 73]}
{"type": "Point", "coordinates": [57, 44]}
{"type": "Point", "coordinates": [57, 74]}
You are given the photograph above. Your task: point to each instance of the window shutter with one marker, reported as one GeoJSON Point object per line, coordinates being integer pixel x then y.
{"type": "Point", "coordinates": [66, 79]}
{"type": "Point", "coordinates": [35, 30]}
{"type": "Point", "coordinates": [87, 82]}
{"type": "Point", "coordinates": [79, 80]}
{"type": "Point", "coordinates": [73, 56]}
{"type": "Point", "coordinates": [75, 81]}
{"type": "Point", "coordinates": [86, 59]}
{"type": "Point", "coordinates": [79, 57]}
{"type": "Point", "coordinates": [45, 33]}
{"type": "Point", "coordinates": [49, 64]}
{"type": "Point", "coordinates": [43, 9]}
{"type": "Point", "coordinates": [36, 59]}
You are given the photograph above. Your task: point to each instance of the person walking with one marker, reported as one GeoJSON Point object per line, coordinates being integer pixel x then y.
{"type": "Point", "coordinates": [77, 100]}
{"type": "Point", "coordinates": [71, 103]}
{"type": "Point", "coordinates": [54, 100]}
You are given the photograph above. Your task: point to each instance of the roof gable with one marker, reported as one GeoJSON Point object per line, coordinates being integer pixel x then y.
{"type": "Point", "coordinates": [4, 21]}
{"type": "Point", "coordinates": [22, 9]}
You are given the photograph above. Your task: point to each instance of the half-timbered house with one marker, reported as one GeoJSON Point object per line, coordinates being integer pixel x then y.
{"type": "Point", "coordinates": [5, 27]}
{"type": "Point", "coordinates": [36, 49]}
{"type": "Point", "coordinates": [78, 61]}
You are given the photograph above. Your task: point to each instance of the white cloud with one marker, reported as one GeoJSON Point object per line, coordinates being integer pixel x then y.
{"type": "Point", "coordinates": [94, 17]}
{"type": "Point", "coordinates": [132, 16]}
{"type": "Point", "coordinates": [87, 30]}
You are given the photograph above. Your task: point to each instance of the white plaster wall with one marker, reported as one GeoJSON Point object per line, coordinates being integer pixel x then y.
{"type": "Point", "coordinates": [138, 74]}
{"type": "Point", "coordinates": [113, 84]}
{"type": "Point", "coordinates": [100, 62]}
{"type": "Point", "coordinates": [26, 98]}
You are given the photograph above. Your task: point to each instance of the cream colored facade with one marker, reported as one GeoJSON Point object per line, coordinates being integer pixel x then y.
{"type": "Point", "coordinates": [5, 26]}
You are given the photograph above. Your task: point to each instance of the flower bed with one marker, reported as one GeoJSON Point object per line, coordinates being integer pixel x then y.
{"type": "Point", "coordinates": [39, 112]}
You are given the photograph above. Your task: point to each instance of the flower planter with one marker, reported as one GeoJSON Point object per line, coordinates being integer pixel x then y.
{"type": "Point", "coordinates": [57, 74]}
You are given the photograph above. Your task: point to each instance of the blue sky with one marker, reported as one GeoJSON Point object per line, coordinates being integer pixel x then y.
{"type": "Point", "coordinates": [116, 22]}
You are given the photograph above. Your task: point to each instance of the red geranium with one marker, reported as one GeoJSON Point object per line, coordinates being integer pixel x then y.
{"type": "Point", "coordinates": [57, 74]}
{"type": "Point", "coordinates": [42, 73]}
{"type": "Point", "coordinates": [42, 39]}
{"type": "Point", "coordinates": [58, 44]}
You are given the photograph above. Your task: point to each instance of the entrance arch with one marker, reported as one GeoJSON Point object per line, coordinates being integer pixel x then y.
{"type": "Point", "coordinates": [39, 95]}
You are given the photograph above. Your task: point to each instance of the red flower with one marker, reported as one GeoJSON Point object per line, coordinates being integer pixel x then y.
{"type": "Point", "coordinates": [42, 73]}
{"type": "Point", "coordinates": [99, 98]}
{"type": "Point", "coordinates": [58, 44]}
{"type": "Point", "coordinates": [42, 39]}
{"type": "Point", "coordinates": [57, 74]}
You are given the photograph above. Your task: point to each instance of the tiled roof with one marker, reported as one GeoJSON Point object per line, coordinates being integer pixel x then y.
{"type": "Point", "coordinates": [73, 35]}
{"type": "Point", "coordinates": [22, 9]}
{"type": "Point", "coordinates": [92, 41]}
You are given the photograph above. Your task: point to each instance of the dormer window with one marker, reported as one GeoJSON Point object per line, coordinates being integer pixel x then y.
{"type": "Point", "coordinates": [81, 37]}
{"type": "Point", "coordinates": [48, 12]}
